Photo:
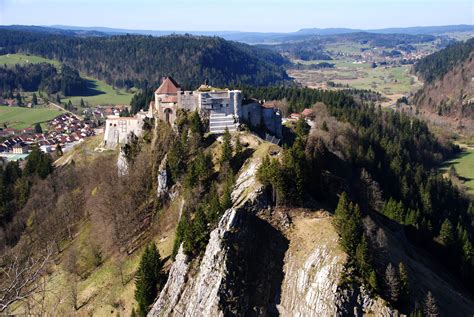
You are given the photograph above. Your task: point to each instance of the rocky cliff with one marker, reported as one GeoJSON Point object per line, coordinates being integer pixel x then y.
{"type": "Point", "coordinates": [259, 262]}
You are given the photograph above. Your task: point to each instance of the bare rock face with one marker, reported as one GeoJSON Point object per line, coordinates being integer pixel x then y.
{"type": "Point", "coordinates": [171, 292]}
{"type": "Point", "coordinates": [358, 302]}
{"type": "Point", "coordinates": [162, 189]}
{"type": "Point", "coordinates": [122, 164]}
{"type": "Point", "coordinates": [252, 267]}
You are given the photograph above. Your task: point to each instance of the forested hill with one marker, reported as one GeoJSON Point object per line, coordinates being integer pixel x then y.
{"type": "Point", "coordinates": [137, 61]}
{"type": "Point", "coordinates": [448, 91]}
{"type": "Point", "coordinates": [436, 65]}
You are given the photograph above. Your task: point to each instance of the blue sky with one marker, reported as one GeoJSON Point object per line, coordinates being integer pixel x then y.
{"type": "Point", "coordinates": [241, 15]}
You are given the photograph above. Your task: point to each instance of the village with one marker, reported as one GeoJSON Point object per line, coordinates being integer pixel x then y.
{"type": "Point", "coordinates": [64, 131]}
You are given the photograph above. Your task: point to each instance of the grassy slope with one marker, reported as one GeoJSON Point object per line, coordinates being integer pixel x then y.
{"type": "Point", "coordinates": [13, 59]}
{"type": "Point", "coordinates": [102, 92]}
{"type": "Point", "coordinates": [464, 165]}
{"type": "Point", "coordinates": [20, 118]}
{"type": "Point", "coordinates": [106, 94]}
{"type": "Point", "coordinates": [100, 290]}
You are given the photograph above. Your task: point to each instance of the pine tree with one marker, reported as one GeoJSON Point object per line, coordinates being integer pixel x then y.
{"type": "Point", "coordinates": [404, 282]}
{"type": "Point", "coordinates": [148, 278]}
{"type": "Point", "coordinates": [348, 223]}
{"type": "Point", "coordinates": [363, 257]}
{"type": "Point", "coordinates": [430, 306]}
{"type": "Point", "coordinates": [200, 232]}
{"type": "Point", "coordinates": [226, 154]}
{"type": "Point", "coordinates": [196, 124]}
{"type": "Point", "coordinates": [34, 100]}
{"type": "Point", "coordinates": [373, 282]}
{"type": "Point", "coordinates": [392, 282]}
{"type": "Point", "coordinates": [38, 128]}
{"type": "Point", "coordinates": [182, 231]}
{"type": "Point", "coordinates": [82, 103]}
{"type": "Point", "coordinates": [446, 234]}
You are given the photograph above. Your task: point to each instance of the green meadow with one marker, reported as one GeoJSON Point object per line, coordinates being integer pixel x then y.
{"type": "Point", "coordinates": [464, 165]}
{"type": "Point", "coordinates": [13, 59]}
{"type": "Point", "coordinates": [20, 118]}
{"type": "Point", "coordinates": [99, 92]}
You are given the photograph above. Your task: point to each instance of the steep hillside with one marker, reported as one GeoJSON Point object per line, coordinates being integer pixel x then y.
{"type": "Point", "coordinates": [267, 261]}
{"type": "Point", "coordinates": [134, 60]}
{"type": "Point", "coordinates": [447, 97]}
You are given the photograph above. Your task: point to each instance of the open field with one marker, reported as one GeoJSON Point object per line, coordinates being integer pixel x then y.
{"type": "Point", "coordinates": [13, 59]}
{"type": "Point", "coordinates": [99, 92]}
{"type": "Point", "coordinates": [464, 165]}
{"type": "Point", "coordinates": [20, 118]}
{"type": "Point", "coordinates": [388, 80]}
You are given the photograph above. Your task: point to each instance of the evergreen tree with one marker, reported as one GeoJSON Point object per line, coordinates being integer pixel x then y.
{"type": "Point", "coordinates": [34, 100]}
{"type": "Point", "coordinates": [38, 128]}
{"type": "Point", "coordinates": [196, 124]}
{"type": "Point", "coordinates": [446, 234]}
{"type": "Point", "coordinates": [182, 231]}
{"type": "Point", "coordinates": [348, 224]}
{"type": "Point", "coordinates": [83, 105]}
{"type": "Point", "coordinates": [362, 256]}
{"type": "Point", "coordinates": [404, 282]}
{"type": "Point", "coordinates": [148, 279]}
{"type": "Point", "coordinates": [373, 282]}
{"type": "Point", "coordinates": [200, 233]}
{"type": "Point", "coordinates": [302, 128]}
{"type": "Point", "coordinates": [19, 100]}
{"type": "Point", "coordinates": [58, 99]}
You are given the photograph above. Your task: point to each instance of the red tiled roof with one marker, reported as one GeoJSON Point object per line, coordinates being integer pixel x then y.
{"type": "Point", "coordinates": [168, 87]}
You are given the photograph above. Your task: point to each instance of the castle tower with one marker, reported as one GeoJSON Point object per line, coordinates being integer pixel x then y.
{"type": "Point", "coordinates": [166, 100]}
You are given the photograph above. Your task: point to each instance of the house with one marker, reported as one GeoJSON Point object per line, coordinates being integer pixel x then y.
{"type": "Point", "coordinates": [117, 129]}
{"type": "Point", "coordinates": [262, 114]}
{"type": "Point", "coordinates": [20, 148]}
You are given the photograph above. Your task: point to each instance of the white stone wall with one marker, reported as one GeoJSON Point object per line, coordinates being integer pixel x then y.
{"type": "Point", "coordinates": [117, 129]}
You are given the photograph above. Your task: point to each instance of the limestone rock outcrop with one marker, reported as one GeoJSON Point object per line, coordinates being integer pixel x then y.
{"type": "Point", "coordinates": [122, 164]}
{"type": "Point", "coordinates": [162, 188]}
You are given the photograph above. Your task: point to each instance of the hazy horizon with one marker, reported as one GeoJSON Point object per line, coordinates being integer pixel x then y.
{"type": "Point", "coordinates": [237, 15]}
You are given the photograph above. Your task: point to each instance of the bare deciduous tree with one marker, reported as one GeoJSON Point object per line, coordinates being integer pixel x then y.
{"type": "Point", "coordinates": [22, 276]}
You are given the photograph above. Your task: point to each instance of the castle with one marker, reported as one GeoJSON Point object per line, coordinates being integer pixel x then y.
{"type": "Point", "coordinates": [222, 108]}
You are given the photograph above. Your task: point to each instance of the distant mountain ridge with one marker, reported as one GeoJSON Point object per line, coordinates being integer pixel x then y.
{"type": "Point", "coordinates": [246, 37]}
